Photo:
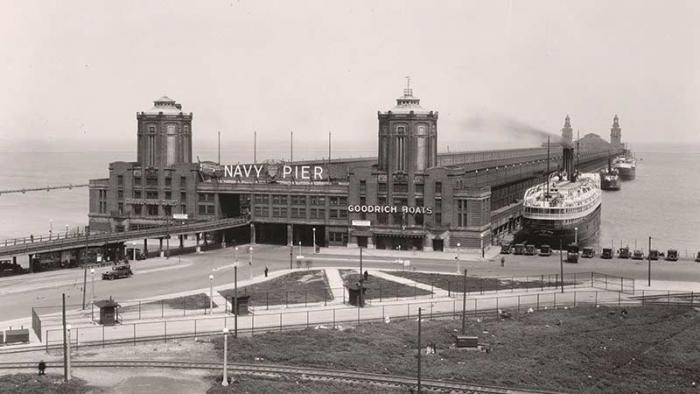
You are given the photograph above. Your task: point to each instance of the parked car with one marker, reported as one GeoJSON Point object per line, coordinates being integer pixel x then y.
{"type": "Point", "coordinates": [653, 254]}
{"type": "Point", "coordinates": [572, 254]}
{"type": "Point", "coordinates": [588, 252]}
{"type": "Point", "coordinates": [545, 250]}
{"type": "Point", "coordinates": [505, 249]}
{"type": "Point", "coordinates": [638, 255]}
{"type": "Point", "coordinates": [607, 253]}
{"type": "Point", "coordinates": [624, 253]}
{"type": "Point", "coordinates": [530, 250]}
{"type": "Point", "coordinates": [697, 258]}
{"type": "Point", "coordinates": [519, 249]}
{"type": "Point", "coordinates": [672, 255]}
{"type": "Point", "coordinates": [118, 271]}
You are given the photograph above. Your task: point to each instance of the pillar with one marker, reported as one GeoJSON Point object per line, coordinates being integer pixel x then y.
{"type": "Point", "coordinates": [290, 234]}
{"type": "Point", "coordinates": [14, 259]}
{"type": "Point", "coordinates": [181, 241]}
{"type": "Point", "coordinates": [198, 249]}
{"type": "Point", "coordinates": [145, 247]}
{"type": "Point", "coordinates": [204, 235]}
{"type": "Point", "coordinates": [160, 247]}
{"type": "Point", "coordinates": [31, 263]}
{"type": "Point", "coordinates": [223, 238]}
{"type": "Point", "coordinates": [252, 234]}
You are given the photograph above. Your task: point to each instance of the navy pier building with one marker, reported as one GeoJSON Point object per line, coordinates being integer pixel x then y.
{"type": "Point", "coordinates": [408, 197]}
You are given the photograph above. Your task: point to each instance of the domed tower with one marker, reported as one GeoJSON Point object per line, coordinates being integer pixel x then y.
{"type": "Point", "coordinates": [616, 134]}
{"type": "Point", "coordinates": [567, 133]}
{"type": "Point", "coordinates": [164, 135]}
{"type": "Point", "coordinates": [407, 136]}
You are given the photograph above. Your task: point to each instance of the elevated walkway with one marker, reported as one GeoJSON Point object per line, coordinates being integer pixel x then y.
{"type": "Point", "coordinates": [26, 246]}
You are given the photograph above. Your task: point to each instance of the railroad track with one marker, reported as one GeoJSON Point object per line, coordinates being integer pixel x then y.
{"type": "Point", "coordinates": [303, 373]}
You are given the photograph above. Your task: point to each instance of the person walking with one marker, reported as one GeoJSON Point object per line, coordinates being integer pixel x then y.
{"type": "Point", "coordinates": [266, 271]}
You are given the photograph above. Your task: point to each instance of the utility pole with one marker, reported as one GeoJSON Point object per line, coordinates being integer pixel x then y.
{"type": "Point", "coordinates": [419, 347]}
{"type": "Point", "coordinates": [362, 277]}
{"type": "Point", "coordinates": [235, 300]}
{"type": "Point", "coordinates": [464, 303]}
{"type": "Point", "coordinates": [561, 264]}
{"type": "Point", "coordinates": [84, 283]}
{"type": "Point", "coordinates": [649, 262]}
{"type": "Point", "coordinates": [65, 343]}
{"type": "Point", "coordinates": [255, 147]}
{"type": "Point", "coordinates": [291, 256]}
{"type": "Point", "coordinates": [329, 148]}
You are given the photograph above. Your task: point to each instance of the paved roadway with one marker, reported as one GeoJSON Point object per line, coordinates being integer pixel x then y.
{"type": "Point", "coordinates": [159, 276]}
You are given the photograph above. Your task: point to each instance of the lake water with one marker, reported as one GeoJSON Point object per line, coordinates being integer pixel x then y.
{"type": "Point", "coordinates": [662, 202]}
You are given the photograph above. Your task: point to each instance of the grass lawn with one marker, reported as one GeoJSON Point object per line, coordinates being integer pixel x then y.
{"type": "Point", "coordinates": [477, 284]}
{"type": "Point", "coordinates": [248, 384]}
{"type": "Point", "coordinates": [651, 349]}
{"type": "Point", "coordinates": [298, 287]}
{"type": "Point", "coordinates": [380, 288]}
{"type": "Point", "coordinates": [48, 384]}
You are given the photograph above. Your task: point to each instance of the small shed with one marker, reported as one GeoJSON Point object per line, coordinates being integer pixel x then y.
{"type": "Point", "coordinates": [354, 293]}
{"type": "Point", "coordinates": [243, 301]}
{"type": "Point", "coordinates": [109, 312]}
{"type": "Point", "coordinates": [16, 336]}
{"type": "Point", "coordinates": [466, 341]}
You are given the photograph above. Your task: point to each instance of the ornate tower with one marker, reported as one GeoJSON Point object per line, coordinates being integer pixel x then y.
{"type": "Point", "coordinates": [407, 136]}
{"type": "Point", "coordinates": [616, 134]}
{"type": "Point", "coordinates": [567, 133]}
{"type": "Point", "coordinates": [164, 135]}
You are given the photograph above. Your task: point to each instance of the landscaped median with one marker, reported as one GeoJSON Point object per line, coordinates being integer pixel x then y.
{"type": "Point", "coordinates": [380, 288]}
{"type": "Point", "coordinates": [297, 287]}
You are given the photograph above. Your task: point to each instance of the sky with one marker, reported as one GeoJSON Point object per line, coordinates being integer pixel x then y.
{"type": "Point", "coordinates": [74, 74]}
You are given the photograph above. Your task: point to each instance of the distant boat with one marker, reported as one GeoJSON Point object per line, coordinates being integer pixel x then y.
{"type": "Point", "coordinates": [626, 166]}
{"type": "Point", "coordinates": [610, 178]}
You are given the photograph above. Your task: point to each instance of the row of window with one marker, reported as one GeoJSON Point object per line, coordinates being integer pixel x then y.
{"type": "Point", "coordinates": [299, 212]}
{"type": "Point", "coordinates": [152, 180]}
{"type": "Point", "coordinates": [400, 187]}
{"type": "Point", "coordinates": [281, 199]}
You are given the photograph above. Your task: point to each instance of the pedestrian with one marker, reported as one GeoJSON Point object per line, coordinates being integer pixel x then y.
{"type": "Point", "coordinates": [503, 261]}
{"type": "Point", "coordinates": [42, 367]}
{"type": "Point", "coordinates": [266, 271]}
{"type": "Point", "coordinates": [366, 274]}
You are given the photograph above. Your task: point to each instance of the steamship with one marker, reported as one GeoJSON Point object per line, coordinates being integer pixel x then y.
{"type": "Point", "coordinates": [566, 208]}
{"type": "Point", "coordinates": [609, 178]}
{"type": "Point", "coordinates": [626, 166]}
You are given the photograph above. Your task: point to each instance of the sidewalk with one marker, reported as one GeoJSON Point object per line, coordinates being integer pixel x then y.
{"type": "Point", "coordinates": [471, 254]}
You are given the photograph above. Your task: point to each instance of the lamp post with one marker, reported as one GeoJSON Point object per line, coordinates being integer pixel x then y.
{"type": "Point", "coordinates": [235, 298]}
{"type": "Point", "coordinates": [314, 234]}
{"type": "Point", "coordinates": [92, 274]}
{"type": "Point", "coordinates": [211, 293]}
{"type": "Point", "coordinates": [250, 261]}
{"type": "Point", "coordinates": [362, 277]}
{"type": "Point", "coordinates": [67, 227]}
{"type": "Point", "coordinates": [50, 228]}
{"type": "Point", "coordinates": [299, 248]}
{"type": "Point", "coordinates": [133, 248]}
{"type": "Point", "coordinates": [649, 264]}
{"type": "Point", "coordinates": [68, 327]}
{"type": "Point", "coordinates": [291, 255]}
{"type": "Point", "coordinates": [481, 238]}
{"type": "Point", "coordinates": [224, 381]}
{"type": "Point", "coordinates": [576, 236]}
{"type": "Point", "coordinates": [459, 264]}
{"type": "Point", "coordinates": [167, 238]}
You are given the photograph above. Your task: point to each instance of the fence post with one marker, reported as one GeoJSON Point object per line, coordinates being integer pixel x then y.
{"type": "Point", "coordinates": [482, 285]}
{"type": "Point", "coordinates": [307, 319]}
{"type": "Point", "coordinates": [103, 336]}
{"type": "Point", "coordinates": [432, 293]}
{"type": "Point", "coordinates": [538, 301]}
{"type": "Point", "coordinates": [47, 341]}
{"type": "Point", "coordinates": [165, 331]}
{"type": "Point", "coordinates": [555, 300]}
{"type": "Point", "coordinates": [280, 321]}
{"type": "Point", "coordinates": [643, 297]}
{"type": "Point", "coordinates": [691, 299]}
{"type": "Point", "coordinates": [449, 289]}
{"type": "Point", "coordinates": [541, 284]}
{"type": "Point", "coordinates": [382, 312]}
{"type": "Point", "coordinates": [195, 328]}
{"type": "Point", "coordinates": [497, 314]}
{"type": "Point", "coordinates": [596, 297]}
{"type": "Point", "coordinates": [408, 311]}
{"type": "Point", "coordinates": [454, 309]}
{"type": "Point", "coordinates": [380, 292]}
{"type": "Point", "coordinates": [184, 307]}
{"type": "Point", "coordinates": [415, 291]}
{"type": "Point", "coordinates": [668, 298]}
{"type": "Point", "coordinates": [77, 342]}
{"type": "Point", "coordinates": [161, 309]}
{"type": "Point", "coordinates": [334, 317]}
{"type": "Point", "coordinates": [619, 298]}
{"type": "Point", "coordinates": [139, 310]}
{"type": "Point", "coordinates": [574, 299]}
{"type": "Point", "coordinates": [286, 299]}
{"type": "Point", "coordinates": [622, 284]}
{"type": "Point", "coordinates": [574, 280]}
{"type": "Point", "coordinates": [475, 306]}
{"type": "Point", "coordinates": [343, 296]}
{"type": "Point", "coordinates": [252, 324]}
{"type": "Point", "coordinates": [518, 304]}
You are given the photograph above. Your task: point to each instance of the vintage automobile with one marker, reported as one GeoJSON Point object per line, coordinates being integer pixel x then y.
{"type": "Point", "coordinates": [624, 253]}
{"type": "Point", "coordinates": [637, 255]}
{"type": "Point", "coordinates": [572, 254]}
{"type": "Point", "coordinates": [118, 271]}
{"type": "Point", "coordinates": [519, 249]}
{"type": "Point", "coordinates": [697, 258]}
{"type": "Point", "coordinates": [607, 253]}
{"type": "Point", "coordinates": [672, 255]}
{"type": "Point", "coordinates": [653, 254]}
{"type": "Point", "coordinates": [530, 250]}
{"type": "Point", "coordinates": [545, 250]}
{"type": "Point", "coordinates": [588, 252]}
{"type": "Point", "coordinates": [505, 249]}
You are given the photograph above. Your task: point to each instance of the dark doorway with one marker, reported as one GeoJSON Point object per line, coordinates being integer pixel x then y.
{"type": "Point", "coordinates": [271, 233]}
{"type": "Point", "coordinates": [230, 205]}
{"type": "Point", "coordinates": [362, 241]}
{"type": "Point", "coordinates": [438, 245]}
{"type": "Point", "coordinates": [304, 233]}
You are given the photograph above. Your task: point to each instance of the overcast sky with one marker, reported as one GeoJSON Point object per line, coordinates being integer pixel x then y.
{"type": "Point", "coordinates": [79, 71]}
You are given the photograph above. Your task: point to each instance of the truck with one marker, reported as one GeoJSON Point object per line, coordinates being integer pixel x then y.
{"type": "Point", "coordinates": [653, 254]}
{"type": "Point", "coordinates": [118, 271]}
{"type": "Point", "coordinates": [572, 254]}
{"type": "Point", "coordinates": [624, 253]}
{"type": "Point", "coordinates": [530, 250]}
{"type": "Point", "coordinates": [588, 252]}
{"type": "Point", "coordinates": [607, 253]}
{"type": "Point", "coordinates": [519, 249]}
{"type": "Point", "coordinates": [545, 250]}
{"type": "Point", "coordinates": [638, 255]}
{"type": "Point", "coordinates": [672, 255]}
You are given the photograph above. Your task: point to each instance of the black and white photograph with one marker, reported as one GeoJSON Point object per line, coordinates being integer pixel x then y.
{"type": "Point", "coordinates": [340, 197]}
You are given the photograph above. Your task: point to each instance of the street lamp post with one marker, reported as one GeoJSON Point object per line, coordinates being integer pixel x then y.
{"type": "Point", "coordinates": [167, 238]}
{"type": "Point", "coordinates": [299, 248]}
{"type": "Point", "coordinates": [50, 228]}
{"type": "Point", "coordinates": [459, 264]}
{"type": "Point", "coordinates": [314, 233]}
{"type": "Point", "coordinates": [211, 293]}
{"type": "Point", "coordinates": [133, 246]}
{"type": "Point", "coordinates": [224, 381]}
{"type": "Point", "coordinates": [481, 238]}
{"type": "Point", "coordinates": [92, 274]}
{"type": "Point", "coordinates": [235, 297]}
{"type": "Point", "coordinates": [68, 374]}
{"type": "Point", "coordinates": [67, 227]}
{"type": "Point", "coordinates": [649, 264]}
{"type": "Point", "coordinates": [291, 255]}
{"type": "Point", "coordinates": [362, 276]}
{"type": "Point", "coordinates": [250, 261]}
{"type": "Point", "coordinates": [576, 236]}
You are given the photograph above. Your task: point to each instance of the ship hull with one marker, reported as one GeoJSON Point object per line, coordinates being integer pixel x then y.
{"type": "Point", "coordinates": [610, 184]}
{"type": "Point", "coordinates": [549, 232]}
{"type": "Point", "coordinates": [627, 173]}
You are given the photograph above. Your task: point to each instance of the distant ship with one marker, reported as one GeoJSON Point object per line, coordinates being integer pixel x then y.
{"type": "Point", "coordinates": [626, 166]}
{"type": "Point", "coordinates": [565, 209]}
{"type": "Point", "coordinates": [610, 178]}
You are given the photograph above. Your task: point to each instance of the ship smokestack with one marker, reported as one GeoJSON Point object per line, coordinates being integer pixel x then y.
{"type": "Point", "coordinates": [569, 163]}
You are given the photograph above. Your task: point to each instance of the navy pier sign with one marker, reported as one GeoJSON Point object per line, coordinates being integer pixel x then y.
{"type": "Point", "coordinates": [266, 171]}
{"type": "Point", "coordinates": [390, 209]}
